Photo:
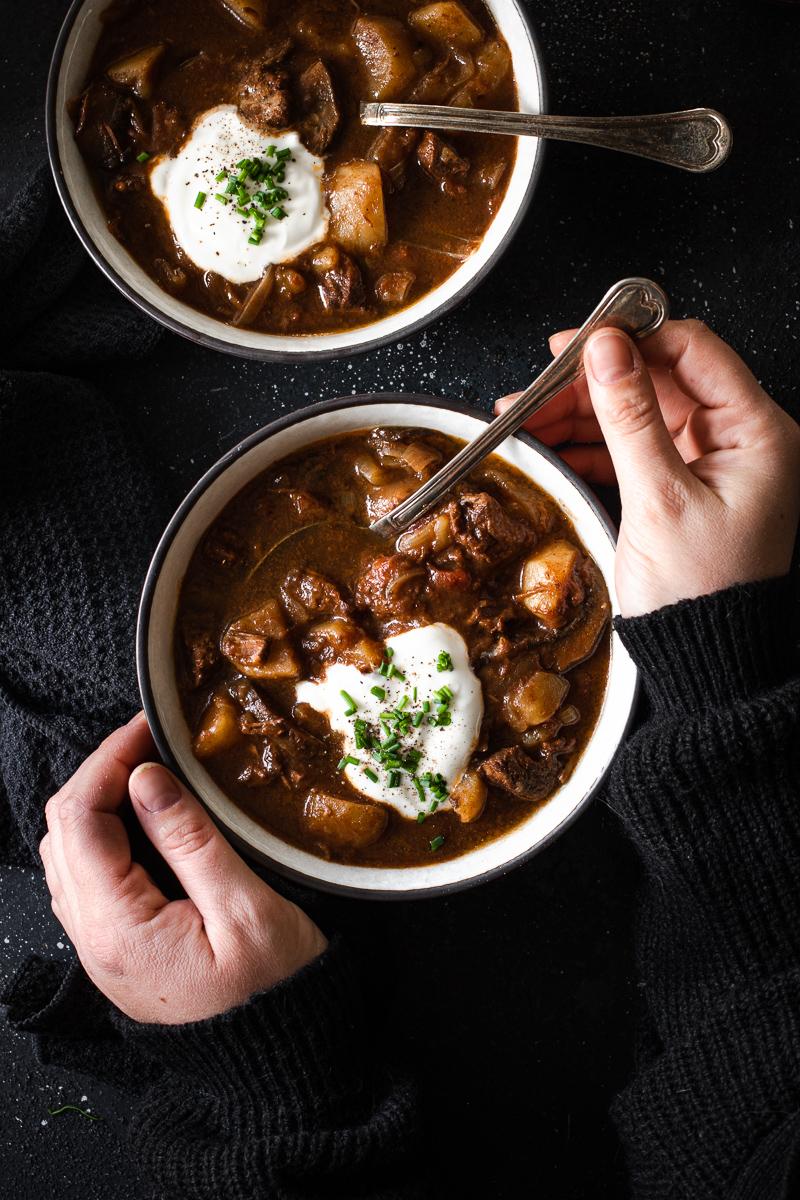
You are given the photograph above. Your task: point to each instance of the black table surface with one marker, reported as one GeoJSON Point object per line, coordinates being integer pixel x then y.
{"type": "Point", "coordinates": [725, 248]}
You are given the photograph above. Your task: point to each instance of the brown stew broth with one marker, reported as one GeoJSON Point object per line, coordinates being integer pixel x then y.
{"type": "Point", "coordinates": [220, 586]}
{"type": "Point", "coordinates": [429, 233]}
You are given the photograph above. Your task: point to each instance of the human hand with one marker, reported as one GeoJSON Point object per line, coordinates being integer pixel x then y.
{"type": "Point", "coordinates": [708, 465]}
{"type": "Point", "coordinates": [159, 960]}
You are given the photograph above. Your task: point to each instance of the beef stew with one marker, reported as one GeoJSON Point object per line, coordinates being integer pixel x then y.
{"type": "Point", "coordinates": [224, 144]}
{"type": "Point", "coordinates": [382, 704]}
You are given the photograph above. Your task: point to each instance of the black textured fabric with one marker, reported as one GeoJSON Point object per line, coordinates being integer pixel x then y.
{"type": "Point", "coordinates": [286, 1096]}
{"type": "Point", "coordinates": [78, 523]}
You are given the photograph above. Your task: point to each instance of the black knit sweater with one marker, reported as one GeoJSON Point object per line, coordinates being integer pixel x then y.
{"type": "Point", "coordinates": [284, 1097]}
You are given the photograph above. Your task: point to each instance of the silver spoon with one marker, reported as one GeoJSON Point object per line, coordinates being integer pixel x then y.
{"type": "Point", "coordinates": [697, 139]}
{"type": "Point", "coordinates": [638, 306]}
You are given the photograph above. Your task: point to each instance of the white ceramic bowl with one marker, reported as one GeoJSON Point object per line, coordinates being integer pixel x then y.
{"type": "Point", "coordinates": [157, 619]}
{"type": "Point", "coordinates": [71, 57]}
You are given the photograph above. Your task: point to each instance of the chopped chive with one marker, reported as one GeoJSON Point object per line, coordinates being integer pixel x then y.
{"type": "Point", "coordinates": [255, 238]}
{"type": "Point", "coordinates": [278, 213]}
{"type": "Point", "coordinates": [389, 652]}
{"type": "Point", "coordinates": [271, 151]}
{"type": "Point", "coordinates": [143, 157]}
{"type": "Point", "coordinates": [282, 155]}
{"type": "Point", "coordinates": [350, 702]}
{"type": "Point", "coordinates": [219, 196]}
{"type": "Point", "coordinates": [199, 199]}
{"type": "Point", "coordinates": [444, 662]}
{"type": "Point", "coordinates": [403, 704]}
{"type": "Point", "coordinates": [395, 674]}
{"type": "Point", "coordinates": [418, 719]}
{"type": "Point", "coordinates": [420, 793]}
{"type": "Point", "coordinates": [394, 779]}
{"type": "Point", "coordinates": [437, 842]}
{"type": "Point", "coordinates": [379, 692]}
{"type": "Point", "coordinates": [426, 706]}
{"type": "Point", "coordinates": [361, 734]}
{"type": "Point", "coordinates": [222, 175]}
{"type": "Point", "coordinates": [84, 1112]}
{"type": "Point", "coordinates": [434, 806]}
{"type": "Point", "coordinates": [444, 694]}
{"type": "Point", "coordinates": [347, 761]}
{"type": "Point", "coordinates": [370, 774]}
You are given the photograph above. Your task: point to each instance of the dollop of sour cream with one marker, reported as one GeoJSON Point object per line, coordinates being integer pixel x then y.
{"type": "Point", "coordinates": [214, 235]}
{"type": "Point", "coordinates": [444, 749]}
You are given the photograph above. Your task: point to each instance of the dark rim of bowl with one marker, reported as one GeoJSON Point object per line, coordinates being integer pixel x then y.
{"type": "Point", "coordinates": [251, 352]}
{"type": "Point", "coordinates": [154, 571]}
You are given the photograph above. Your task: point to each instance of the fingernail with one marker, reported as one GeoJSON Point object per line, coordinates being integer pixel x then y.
{"type": "Point", "coordinates": [610, 357]}
{"type": "Point", "coordinates": [154, 788]}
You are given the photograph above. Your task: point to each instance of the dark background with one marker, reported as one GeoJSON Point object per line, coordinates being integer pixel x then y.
{"type": "Point", "coordinates": [545, 955]}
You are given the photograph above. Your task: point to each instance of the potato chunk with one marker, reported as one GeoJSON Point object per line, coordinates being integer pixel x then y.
{"type": "Point", "coordinates": [534, 699]}
{"type": "Point", "coordinates": [219, 727]}
{"type": "Point", "coordinates": [550, 583]}
{"type": "Point", "coordinates": [136, 71]}
{"type": "Point", "coordinates": [343, 824]}
{"type": "Point", "coordinates": [386, 52]}
{"type": "Point", "coordinates": [258, 645]}
{"type": "Point", "coordinates": [448, 22]}
{"type": "Point", "coordinates": [469, 797]}
{"type": "Point", "coordinates": [355, 200]}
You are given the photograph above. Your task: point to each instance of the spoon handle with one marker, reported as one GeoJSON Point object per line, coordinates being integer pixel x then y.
{"type": "Point", "coordinates": [697, 139]}
{"type": "Point", "coordinates": [638, 306]}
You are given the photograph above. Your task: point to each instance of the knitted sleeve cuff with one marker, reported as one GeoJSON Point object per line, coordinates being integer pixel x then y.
{"type": "Point", "coordinates": [716, 649]}
{"type": "Point", "coordinates": [301, 1044]}
{"type": "Point", "coordinates": [694, 1118]}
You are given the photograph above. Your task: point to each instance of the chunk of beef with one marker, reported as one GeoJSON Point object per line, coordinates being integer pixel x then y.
{"type": "Point", "coordinates": [264, 97]}
{"type": "Point", "coordinates": [261, 766]}
{"type": "Point", "coordinates": [258, 645]}
{"type": "Point", "coordinates": [292, 748]}
{"type": "Point", "coordinates": [223, 548]}
{"type": "Point", "coordinates": [521, 775]}
{"type": "Point", "coordinates": [108, 126]}
{"type": "Point", "coordinates": [304, 504]}
{"type": "Point", "coordinates": [392, 586]}
{"type": "Point", "coordinates": [202, 652]}
{"type": "Point", "coordinates": [449, 579]}
{"type": "Point", "coordinates": [393, 287]}
{"type": "Point", "coordinates": [392, 150]}
{"type": "Point", "coordinates": [441, 164]}
{"type": "Point", "coordinates": [256, 718]}
{"type": "Point", "coordinates": [167, 128]}
{"type": "Point", "coordinates": [318, 103]}
{"type": "Point", "coordinates": [306, 594]}
{"type": "Point", "coordinates": [486, 531]}
{"type": "Point", "coordinates": [341, 286]}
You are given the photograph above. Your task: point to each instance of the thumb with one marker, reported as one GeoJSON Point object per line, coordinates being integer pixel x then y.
{"type": "Point", "coordinates": [627, 409]}
{"type": "Point", "coordinates": [187, 839]}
